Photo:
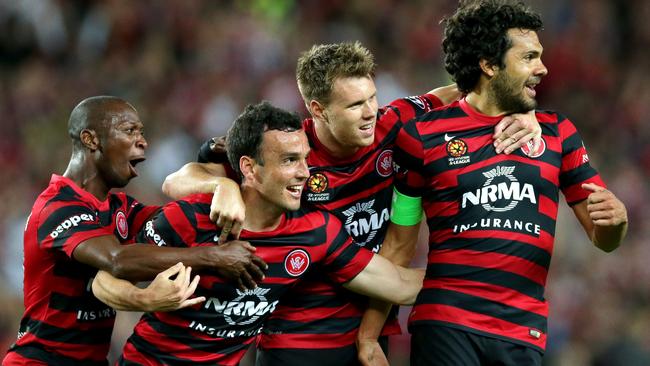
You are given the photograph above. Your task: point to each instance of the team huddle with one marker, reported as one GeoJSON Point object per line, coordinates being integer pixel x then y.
{"type": "Point", "coordinates": [295, 236]}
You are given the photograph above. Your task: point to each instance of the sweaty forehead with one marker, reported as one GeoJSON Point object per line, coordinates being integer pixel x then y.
{"type": "Point", "coordinates": [120, 113]}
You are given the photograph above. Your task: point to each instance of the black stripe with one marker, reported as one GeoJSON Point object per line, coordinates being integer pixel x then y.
{"type": "Point", "coordinates": [440, 115]}
{"type": "Point", "coordinates": [576, 175]}
{"type": "Point", "coordinates": [84, 302]}
{"type": "Point", "coordinates": [320, 326]}
{"type": "Point", "coordinates": [97, 336]}
{"type": "Point", "coordinates": [483, 306]}
{"type": "Point", "coordinates": [221, 346]}
{"type": "Point", "coordinates": [309, 301]}
{"type": "Point", "coordinates": [513, 248]}
{"type": "Point", "coordinates": [486, 275]}
{"type": "Point", "coordinates": [35, 352]}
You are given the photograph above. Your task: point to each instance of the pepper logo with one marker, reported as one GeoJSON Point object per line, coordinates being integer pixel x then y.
{"type": "Point", "coordinates": [317, 183]}
{"type": "Point", "coordinates": [296, 262]}
{"type": "Point", "coordinates": [121, 224]}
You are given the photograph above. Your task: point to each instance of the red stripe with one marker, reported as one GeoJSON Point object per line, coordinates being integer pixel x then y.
{"type": "Point", "coordinates": [502, 262]}
{"type": "Point", "coordinates": [491, 292]}
{"type": "Point", "coordinates": [441, 208]}
{"type": "Point", "coordinates": [547, 207]}
{"type": "Point", "coordinates": [476, 321]}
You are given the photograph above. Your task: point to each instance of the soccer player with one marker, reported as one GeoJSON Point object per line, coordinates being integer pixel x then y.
{"type": "Point", "coordinates": [351, 177]}
{"type": "Point", "coordinates": [77, 226]}
{"type": "Point", "coordinates": [268, 148]}
{"type": "Point", "coordinates": [492, 217]}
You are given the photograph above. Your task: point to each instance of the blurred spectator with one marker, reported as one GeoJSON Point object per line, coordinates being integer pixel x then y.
{"type": "Point", "coordinates": [207, 59]}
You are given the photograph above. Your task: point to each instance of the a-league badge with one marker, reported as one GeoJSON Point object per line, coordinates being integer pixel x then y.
{"type": "Point", "coordinates": [316, 186]}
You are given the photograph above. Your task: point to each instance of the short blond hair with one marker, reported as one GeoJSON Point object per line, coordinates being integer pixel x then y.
{"type": "Point", "coordinates": [322, 64]}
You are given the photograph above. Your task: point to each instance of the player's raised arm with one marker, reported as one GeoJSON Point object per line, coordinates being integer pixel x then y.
{"type": "Point", "coordinates": [162, 294]}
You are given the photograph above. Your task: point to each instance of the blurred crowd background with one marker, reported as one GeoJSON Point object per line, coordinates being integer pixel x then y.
{"type": "Point", "coordinates": [190, 66]}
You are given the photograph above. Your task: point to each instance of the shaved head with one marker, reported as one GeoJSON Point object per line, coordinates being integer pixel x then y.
{"type": "Point", "coordinates": [94, 113]}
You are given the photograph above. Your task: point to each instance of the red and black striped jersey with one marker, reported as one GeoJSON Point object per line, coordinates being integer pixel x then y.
{"type": "Point", "coordinates": [220, 330]}
{"type": "Point", "coordinates": [491, 218]}
{"type": "Point", "coordinates": [63, 323]}
{"type": "Point", "coordinates": [357, 190]}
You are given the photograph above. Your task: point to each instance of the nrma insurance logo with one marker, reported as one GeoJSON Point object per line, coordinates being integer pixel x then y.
{"type": "Point", "coordinates": [244, 309]}
{"type": "Point", "coordinates": [500, 192]}
{"type": "Point", "coordinates": [363, 222]}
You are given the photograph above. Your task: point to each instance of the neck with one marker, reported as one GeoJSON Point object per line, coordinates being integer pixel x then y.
{"type": "Point", "coordinates": [84, 174]}
{"type": "Point", "coordinates": [483, 102]}
{"type": "Point", "coordinates": [261, 215]}
{"type": "Point", "coordinates": [326, 138]}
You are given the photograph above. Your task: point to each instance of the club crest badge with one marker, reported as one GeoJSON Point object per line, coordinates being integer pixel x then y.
{"type": "Point", "coordinates": [384, 164]}
{"type": "Point", "coordinates": [121, 224]}
{"type": "Point", "coordinates": [296, 262]}
{"type": "Point", "coordinates": [528, 147]}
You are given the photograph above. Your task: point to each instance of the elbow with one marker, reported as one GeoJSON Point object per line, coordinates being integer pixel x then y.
{"type": "Point", "coordinates": [118, 268]}
{"type": "Point", "coordinates": [168, 184]}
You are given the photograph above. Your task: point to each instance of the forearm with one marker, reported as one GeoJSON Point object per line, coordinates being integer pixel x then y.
{"type": "Point", "coordinates": [118, 294]}
{"type": "Point", "coordinates": [608, 238]}
{"type": "Point", "coordinates": [194, 178]}
{"type": "Point", "coordinates": [447, 94]}
{"type": "Point", "coordinates": [142, 262]}
{"type": "Point", "coordinates": [373, 319]}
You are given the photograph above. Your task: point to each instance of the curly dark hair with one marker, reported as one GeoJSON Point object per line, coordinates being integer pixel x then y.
{"type": "Point", "coordinates": [245, 136]}
{"type": "Point", "coordinates": [478, 30]}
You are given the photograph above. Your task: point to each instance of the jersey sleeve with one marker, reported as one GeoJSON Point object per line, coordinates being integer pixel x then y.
{"type": "Point", "coordinates": [575, 169]}
{"type": "Point", "coordinates": [62, 225]}
{"type": "Point", "coordinates": [170, 227]}
{"type": "Point", "coordinates": [408, 162]}
{"type": "Point", "coordinates": [344, 259]}
{"type": "Point", "coordinates": [405, 109]}
{"type": "Point", "coordinates": [137, 214]}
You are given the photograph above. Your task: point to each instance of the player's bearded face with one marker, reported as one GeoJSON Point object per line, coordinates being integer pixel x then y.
{"type": "Point", "coordinates": [513, 87]}
{"type": "Point", "coordinates": [508, 94]}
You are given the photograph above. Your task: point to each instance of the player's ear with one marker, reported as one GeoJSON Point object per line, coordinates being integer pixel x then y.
{"type": "Point", "coordinates": [89, 139]}
{"type": "Point", "coordinates": [317, 109]}
{"type": "Point", "coordinates": [488, 68]}
{"type": "Point", "coordinates": [247, 167]}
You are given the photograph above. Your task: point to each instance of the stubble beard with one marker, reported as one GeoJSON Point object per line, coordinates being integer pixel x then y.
{"type": "Point", "coordinates": [507, 98]}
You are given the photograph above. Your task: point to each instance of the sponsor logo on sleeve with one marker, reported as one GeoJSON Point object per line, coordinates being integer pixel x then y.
{"type": "Point", "coordinates": [70, 222]}
{"type": "Point", "coordinates": [296, 262]}
{"type": "Point", "coordinates": [121, 224]}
